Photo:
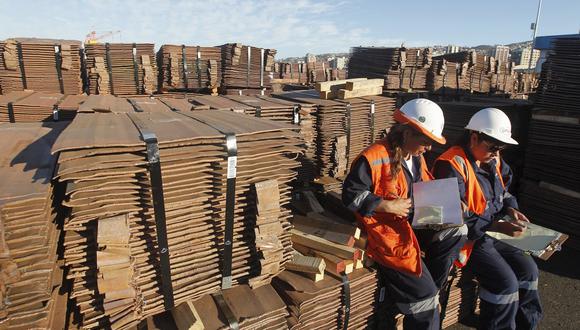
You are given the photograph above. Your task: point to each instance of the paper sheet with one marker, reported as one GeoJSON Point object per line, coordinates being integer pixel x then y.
{"type": "Point", "coordinates": [437, 202]}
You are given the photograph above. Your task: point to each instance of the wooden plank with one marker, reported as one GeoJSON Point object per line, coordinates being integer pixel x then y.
{"type": "Point", "coordinates": [334, 264]}
{"type": "Point", "coordinates": [323, 230]}
{"type": "Point", "coordinates": [324, 245]}
{"type": "Point", "coordinates": [306, 264]}
{"type": "Point", "coordinates": [284, 81]}
{"type": "Point", "coordinates": [346, 94]}
{"type": "Point", "coordinates": [321, 221]}
{"type": "Point", "coordinates": [354, 85]}
{"type": "Point", "coordinates": [326, 85]}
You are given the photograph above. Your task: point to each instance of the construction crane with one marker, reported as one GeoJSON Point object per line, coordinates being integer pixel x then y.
{"type": "Point", "coordinates": [92, 37]}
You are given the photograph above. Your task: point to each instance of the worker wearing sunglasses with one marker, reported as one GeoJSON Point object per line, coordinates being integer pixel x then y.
{"type": "Point", "coordinates": [508, 278]}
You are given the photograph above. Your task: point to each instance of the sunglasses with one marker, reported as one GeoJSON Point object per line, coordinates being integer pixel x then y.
{"type": "Point", "coordinates": [491, 147]}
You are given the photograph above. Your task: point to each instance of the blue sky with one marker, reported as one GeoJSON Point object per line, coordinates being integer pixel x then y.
{"type": "Point", "coordinates": [294, 27]}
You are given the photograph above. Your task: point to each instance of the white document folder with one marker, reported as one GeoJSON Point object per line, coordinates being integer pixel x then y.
{"type": "Point", "coordinates": [437, 204]}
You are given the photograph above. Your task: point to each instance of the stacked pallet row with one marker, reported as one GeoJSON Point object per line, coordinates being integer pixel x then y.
{"type": "Point", "coordinates": [30, 222]}
{"type": "Point", "coordinates": [318, 71]}
{"type": "Point", "coordinates": [246, 70]}
{"type": "Point", "coordinates": [473, 71]}
{"type": "Point", "coordinates": [345, 127]}
{"type": "Point", "coordinates": [121, 69]}
{"type": "Point", "coordinates": [323, 305]}
{"type": "Point", "coordinates": [504, 78]}
{"type": "Point", "coordinates": [303, 115]}
{"type": "Point", "coordinates": [28, 106]}
{"type": "Point", "coordinates": [111, 236]}
{"type": "Point", "coordinates": [550, 193]}
{"type": "Point", "coordinates": [259, 308]}
{"type": "Point", "coordinates": [183, 68]}
{"type": "Point", "coordinates": [462, 301]}
{"type": "Point", "coordinates": [401, 68]}
{"type": "Point", "coordinates": [43, 65]}
{"type": "Point", "coordinates": [297, 71]}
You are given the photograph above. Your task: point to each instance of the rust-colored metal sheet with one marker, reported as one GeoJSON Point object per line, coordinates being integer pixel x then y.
{"type": "Point", "coordinates": [42, 65]}
{"type": "Point", "coordinates": [103, 161]}
{"type": "Point", "coordinates": [121, 69]}
{"type": "Point", "coordinates": [401, 68]}
{"type": "Point", "coordinates": [189, 68]}
{"type": "Point", "coordinates": [29, 227]}
{"type": "Point", "coordinates": [321, 304]}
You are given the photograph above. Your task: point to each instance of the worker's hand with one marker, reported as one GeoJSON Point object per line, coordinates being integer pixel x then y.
{"type": "Point", "coordinates": [398, 206]}
{"type": "Point", "coordinates": [517, 215]}
{"type": "Point", "coordinates": [509, 228]}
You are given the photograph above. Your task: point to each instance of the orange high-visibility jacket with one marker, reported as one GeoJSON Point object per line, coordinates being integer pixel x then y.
{"type": "Point", "coordinates": [391, 241]}
{"type": "Point", "coordinates": [474, 196]}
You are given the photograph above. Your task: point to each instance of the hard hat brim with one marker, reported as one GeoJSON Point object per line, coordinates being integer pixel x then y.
{"type": "Point", "coordinates": [401, 118]}
{"type": "Point", "coordinates": [506, 140]}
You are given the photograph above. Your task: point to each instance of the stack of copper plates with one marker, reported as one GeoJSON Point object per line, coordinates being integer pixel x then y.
{"type": "Point", "coordinates": [442, 78]}
{"type": "Point", "coordinates": [345, 127]}
{"type": "Point", "coordinates": [294, 71]}
{"type": "Point", "coordinates": [475, 70]}
{"type": "Point", "coordinates": [550, 193]}
{"type": "Point", "coordinates": [27, 106]}
{"type": "Point", "coordinates": [189, 68]}
{"type": "Point", "coordinates": [462, 299]}
{"type": "Point", "coordinates": [30, 271]}
{"type": "Point", "coordinates": [246, 70]}
{"type": "Point", "coordinates": [121, 69]}
{"type": "Point", "coordinates": [112, 244]}
{"type": "Point", "coordinates": [301, 114]}
{"type": "Point", "coordinates": [330, 303]}
{"type": "Point", "coordinates": [43, 65]}
{"type": "Point", "coordinates": [402, 68]}
{"type": "Point", "coordinates": [504, 77]}
{"type": "Point", "coordinates": [318, 71]}
{"type": "Point", "coordinates": [260, 308]}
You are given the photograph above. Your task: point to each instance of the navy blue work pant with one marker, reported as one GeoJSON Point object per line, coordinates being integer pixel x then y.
{"type": "Point", "coordinates": [418, 297]}
{"type": "Point", "coordinates": [508, 290]}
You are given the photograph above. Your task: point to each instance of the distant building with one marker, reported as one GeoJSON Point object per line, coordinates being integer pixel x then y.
{"type": "Point", "coordinates": [452, 49]}
{"type": "Point", "coordinates": [310, 58]}
{"type": "Point", "coordinates": [525, 57]}
{"type": "Point", "coordinates": [502, 53]}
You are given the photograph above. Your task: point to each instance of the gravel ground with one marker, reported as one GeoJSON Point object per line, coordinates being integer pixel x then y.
{"type": "Point", "coordinates": [559, 290]}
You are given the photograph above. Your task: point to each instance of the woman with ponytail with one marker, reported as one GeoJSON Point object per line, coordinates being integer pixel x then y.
{"type": "Point", "coordinates": [379, 191]}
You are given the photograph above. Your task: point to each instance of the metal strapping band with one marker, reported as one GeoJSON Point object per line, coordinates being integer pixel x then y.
{"type": "Point", "coordinates": [296, 120]}
{"type": "Point", "coordinates": [348, 124]}
{"type": "Point", "coordinates": [11, 117]}
{"type": "Point", "coordinates": [154, 166]}
{"type": "Point", "coordinates": [225, 308]}
{"type": "Point", "coordinates": [109, 68]}
{"type": "Point", "coordinates": [21, 64]}
{"type": "Point", "coordinates": [198, 66]}
{"type": "Point", "coordinates": [231, 173]}
{"type": "Point", "coordinates": [372, 121]}
{"type": "Point", "coordinates": [248, 71]}
{"type": "Point", "coordinates": [136, 69]}
{"type": "Point", "coordinates": [262, 65]}
{"type": "Point", "coordinates": [58, 64]}
{"type": "Point", "coordinates": [184, 66]}
{"type": "Point", "coordinates": [345, 300]}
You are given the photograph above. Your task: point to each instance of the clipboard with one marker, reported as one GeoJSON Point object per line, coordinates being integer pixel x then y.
{"type": "Point", "coordinates": [437, 204]}
{"type": "Point", "coordinates": [537, 241]}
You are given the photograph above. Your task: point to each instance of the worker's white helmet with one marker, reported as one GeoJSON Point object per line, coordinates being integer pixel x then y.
{"type": "Point", "coordinates": [492, 122]}
{"type": "Point", "coordinates": [425, 116]}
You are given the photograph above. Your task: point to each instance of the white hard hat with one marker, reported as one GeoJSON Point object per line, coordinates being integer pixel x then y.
{"type": "Point", "coordinates": [492, 122]}
{"type": "Point", "coordinates": [425, 116]}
